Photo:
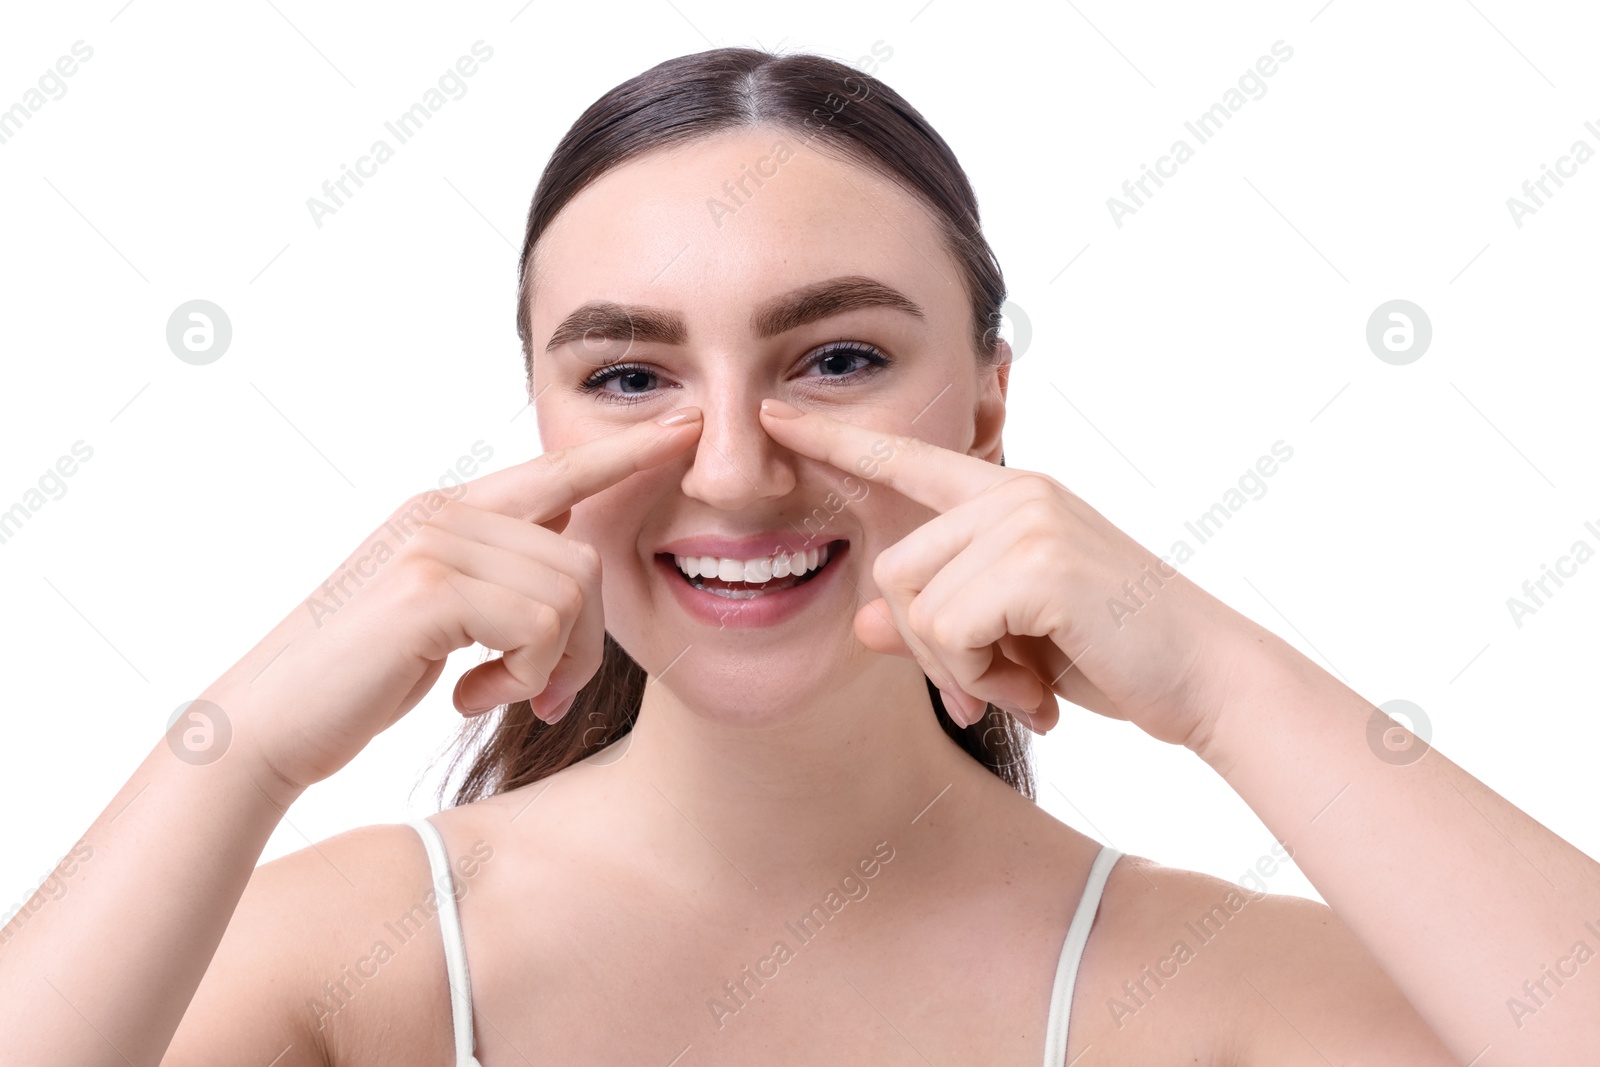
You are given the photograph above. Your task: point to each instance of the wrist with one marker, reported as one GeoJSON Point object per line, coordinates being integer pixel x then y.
{"type": "Point", "coordinates": [1262, 681]}
{"type": "Point", "coordinates": [233, 725]}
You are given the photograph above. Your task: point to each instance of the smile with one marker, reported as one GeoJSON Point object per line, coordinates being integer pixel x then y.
{"type": "Point", "coordinates": [743, 579]}
{"type": "Point", "coordinates": [761, 591]}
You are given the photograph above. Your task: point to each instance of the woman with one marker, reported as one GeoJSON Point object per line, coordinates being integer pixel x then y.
{"type": "Point", "coordinates": [763, 795]}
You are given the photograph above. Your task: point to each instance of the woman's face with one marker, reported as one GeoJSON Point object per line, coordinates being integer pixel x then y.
{"type": "Point", "coordinates": [710, 246]}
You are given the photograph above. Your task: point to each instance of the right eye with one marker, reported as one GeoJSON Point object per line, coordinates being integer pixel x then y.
{"type": "Point", "coordinates": [633, 378]}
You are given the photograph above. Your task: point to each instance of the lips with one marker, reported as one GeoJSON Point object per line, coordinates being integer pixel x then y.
{"type": "Point", "coordinates": [738, 604]}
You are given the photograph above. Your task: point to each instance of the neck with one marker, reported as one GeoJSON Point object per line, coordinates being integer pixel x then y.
{"type": "Point", "coordinates": [781, 790]}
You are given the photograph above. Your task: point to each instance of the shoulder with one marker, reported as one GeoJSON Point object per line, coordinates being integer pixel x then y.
{"type": "Point", "coordinates": [328, 957]}
{"type": "Point", "coordinates": [1181, 961]}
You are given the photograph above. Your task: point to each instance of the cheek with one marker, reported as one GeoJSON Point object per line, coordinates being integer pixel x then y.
{"type": "Point", "coordinates": [613, 520]}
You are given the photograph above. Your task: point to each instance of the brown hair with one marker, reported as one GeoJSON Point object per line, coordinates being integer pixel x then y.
{"type": "Point", "coordinates": [838, 108]}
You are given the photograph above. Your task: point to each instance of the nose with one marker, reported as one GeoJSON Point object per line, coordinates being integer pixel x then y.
{"type": "Point", "coordinates": [736, 462]}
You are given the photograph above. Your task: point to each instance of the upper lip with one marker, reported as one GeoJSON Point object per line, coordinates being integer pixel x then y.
{"type": "Point", "coordinates": [750, 547]}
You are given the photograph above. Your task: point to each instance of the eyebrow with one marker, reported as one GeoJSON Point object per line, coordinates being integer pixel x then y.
{"type": "Point", "coordinates": [611, 321]}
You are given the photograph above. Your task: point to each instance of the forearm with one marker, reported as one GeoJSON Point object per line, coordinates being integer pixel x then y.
{"type": "Point", "coordinates": [103, 973]}
{"type": "Point", "coordinates": [1460, 896]}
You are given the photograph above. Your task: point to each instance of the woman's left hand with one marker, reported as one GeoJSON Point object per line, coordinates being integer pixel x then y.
{"type": "Point", "coordinates": [1018, 591]}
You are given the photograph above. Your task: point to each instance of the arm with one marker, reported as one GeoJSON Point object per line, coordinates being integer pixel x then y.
{"type": "Point", "coordinates": [1189, 968]}
{"type": "Point", "coordinates": [1018, 591]}
{"type": "Point", "coordinates": [1461, 897]}
{"type": "Point", "coordinates": [103, 973]}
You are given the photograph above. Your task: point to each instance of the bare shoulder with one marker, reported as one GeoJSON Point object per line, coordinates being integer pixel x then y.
{"type": "Point", "coordinates": [1184, 964]}
{"type": "Point", "coordinates": [332, 958]}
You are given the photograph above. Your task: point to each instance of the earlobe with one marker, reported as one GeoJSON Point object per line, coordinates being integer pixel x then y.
{"type": "Point", "coordinates": [990, 415]}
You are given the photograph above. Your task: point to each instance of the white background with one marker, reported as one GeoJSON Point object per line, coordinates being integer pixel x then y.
{"type": "Point", "coordinates": [1166, 355]}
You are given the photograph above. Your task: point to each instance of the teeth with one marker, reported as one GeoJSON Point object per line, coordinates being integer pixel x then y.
{"type": "Point", "coordinates": [753, 571]}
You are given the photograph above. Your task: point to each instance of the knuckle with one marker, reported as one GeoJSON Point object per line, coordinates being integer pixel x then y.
{"type": "Point", "coordinates": [426, 543]}
{"type": "Point", "coordinates": [947, 632]}
{"type": "Point", "coordinates": [559, 468]}
{"type": "Point", "coordinates": [886, 571]}
{"type": "Point", "coordinates": [567, 596]}
{"type": "Point", "coordinates": [546, 625]}
{"type": "Point", "coordinates": [1039, 510]}
{"type": "Point", "coordinates": [450, 513]}
{"type": "Point", "coordinates": [1038, 549]}
{"type": "Point", "coordinates": [920, 618]}
{"type": "Point", "coordinates": [418, 578]}
{"type": "Point", "coordinates": [586, 558]}
{"type": "Point", "coordinates": [520, 665]}
{"type": "Point", "coordinates": [419, 508]}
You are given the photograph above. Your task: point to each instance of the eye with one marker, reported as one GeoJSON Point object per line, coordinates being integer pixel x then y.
{"type": "Point", "coordinates": [632, 377]}
{"type": "Point", "coordinates": [851, 360]}
{"type": "Point", "coordinates": [839, 355]}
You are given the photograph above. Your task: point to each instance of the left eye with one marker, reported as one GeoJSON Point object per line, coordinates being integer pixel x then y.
{"type": "Point", "coordinates": [847, 352]}
{"type": "Point", "coordinates": [845, 358]}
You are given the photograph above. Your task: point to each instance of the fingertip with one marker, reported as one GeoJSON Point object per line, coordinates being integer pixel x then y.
{"type": "Point", "coordinates": [682, 417]}
{"type": "Point", "coordinates": [777, 409]}
{"type": "Point", "coordinates": [561, 712]}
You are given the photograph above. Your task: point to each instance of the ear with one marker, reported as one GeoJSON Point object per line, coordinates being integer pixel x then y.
{"type": "Point", "coordinates": [989, 418]}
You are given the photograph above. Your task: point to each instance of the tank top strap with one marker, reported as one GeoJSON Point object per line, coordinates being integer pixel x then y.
{"type": "Point", "coordinates": [1055, 1039]}
{"type": "Point", "coordinates": [455, 946]}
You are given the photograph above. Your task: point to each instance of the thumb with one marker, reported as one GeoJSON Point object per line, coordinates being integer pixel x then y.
{"type": "Point", "coordinates": [874, 626]}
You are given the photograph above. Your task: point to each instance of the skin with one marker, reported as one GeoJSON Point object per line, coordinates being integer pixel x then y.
{"type": "Point", "coordinates": [605, 905]}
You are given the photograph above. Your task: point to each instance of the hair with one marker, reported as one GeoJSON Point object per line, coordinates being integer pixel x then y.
{"type": "Point", "coordinates": [682, 100]}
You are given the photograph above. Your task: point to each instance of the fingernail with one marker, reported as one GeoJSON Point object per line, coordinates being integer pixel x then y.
{"type": "Point", "coordinates": [1021, 715]}
{"type": "Point", "coordinates": [779, 410]}
{"type": "Point", "coordinates": [543, 702]}
{"type": "Point", "coordinates": [456, 696]}
{"type": "Point", "coordinates": [678, 418]}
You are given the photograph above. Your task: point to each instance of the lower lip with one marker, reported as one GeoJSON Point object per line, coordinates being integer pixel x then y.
{"type": "Point", "coordinates": [768, 609]}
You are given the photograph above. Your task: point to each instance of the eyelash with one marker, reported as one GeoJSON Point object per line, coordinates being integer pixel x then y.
{"type": "Point", "coordinates": [875, 358]}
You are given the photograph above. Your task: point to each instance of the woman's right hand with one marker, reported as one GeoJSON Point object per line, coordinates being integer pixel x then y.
{"type": "Point", "coordinates": [483, 562]}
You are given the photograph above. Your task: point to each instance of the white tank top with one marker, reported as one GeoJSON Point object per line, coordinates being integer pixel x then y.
{"type": "Point", "coordinates": [455, 949]}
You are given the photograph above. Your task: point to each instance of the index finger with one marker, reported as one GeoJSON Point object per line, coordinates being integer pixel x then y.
{"type": "Point", "coordinates": [936, 477]}
{"type": "Point", "coordinates": [547, 485]}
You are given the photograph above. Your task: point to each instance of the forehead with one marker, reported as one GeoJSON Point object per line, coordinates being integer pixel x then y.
{"type": "Point", "coordinates": [718, 225]}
